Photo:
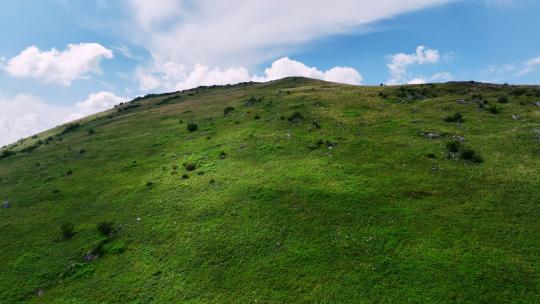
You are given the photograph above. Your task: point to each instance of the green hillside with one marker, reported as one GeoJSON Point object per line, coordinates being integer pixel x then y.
{"type": "Point", "coordinates": [292, 191]}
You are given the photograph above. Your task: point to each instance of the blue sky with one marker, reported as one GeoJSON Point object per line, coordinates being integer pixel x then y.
{"type": "Point", "coordinates": [126, 48]}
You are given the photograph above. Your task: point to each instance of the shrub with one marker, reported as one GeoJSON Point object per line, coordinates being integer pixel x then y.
{"type": "Point", "coordinates": [457, 117]}
{"type": "Point", "coordinates": [67, 231]}
{"type": "Point", "coordinates": [106, 228]}
{"type": "Point", "coordinates": [222, 155]}
{"type": "Point", "coordinates": [257, 117]}
{"type": "Point", "coordinates": [470, 155]}
{"type": "Point", "coordinates": [69, 172]}
{"type": "Point", "coordinates": [190, 166]}
{"type": "Point", "coordinates": [227, 110]}
{"type": "Point", "coordinates": [185, 176]}
{"type": "Point", "coordinates": [192, 127]}
{"type": "Point", "coordinates": [493, 109]}
{"type": "Point", "coordinates": [70, 127]}
{"type": "Point", "coordinates": [7, 153]}
{"type": "Point", "coordinates": [91, 131]}
{"type": "Point", "coordinates": [453, 146]}
{"type": "Point", "coordinates": [148, 184]}
{"type": "Point", "coordinates": [295, 117]}
{"type": "Point", "coordinates": [502, 99]}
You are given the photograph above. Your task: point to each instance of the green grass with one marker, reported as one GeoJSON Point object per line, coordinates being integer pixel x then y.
{"type": "Point", "coordinates": [270, 216]}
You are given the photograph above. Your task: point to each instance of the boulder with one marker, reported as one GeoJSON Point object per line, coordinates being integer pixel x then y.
{"type": "Point", "coordinates": [6, 205]}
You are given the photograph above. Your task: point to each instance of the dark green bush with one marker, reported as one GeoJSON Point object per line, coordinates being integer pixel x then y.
{"type": "Point", "coordinates": [493, 109]}
{"type": "Point", "coordinates": [295, 117]}
{"type": "Point", "coordinates": [470, 155]}
{"type": "Point", "coordinates": [190, 166]}
{"type": "Point", "coordinates": [192, 127]}
{"type": "Point", "coordinates": [7, 153]}
{"type": "Point", "coordinates": [106, 228]}
{"type": "Point", "coordinates": [227, 110]}
{"type": "Point", "coordinates": [502, 99]}
{"type": "Point", "coordinates": [457, 117]}
{"type": "Point", "coordinates": [453, 146]}
{"type": "Point", "coordinates": [67, 231]}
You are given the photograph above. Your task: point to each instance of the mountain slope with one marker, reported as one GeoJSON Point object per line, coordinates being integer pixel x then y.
{"type": "Point", "coordinates": [301, 191]}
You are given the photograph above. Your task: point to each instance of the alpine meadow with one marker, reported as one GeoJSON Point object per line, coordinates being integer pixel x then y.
{"type": "Point", "coordinates": [295, 190]}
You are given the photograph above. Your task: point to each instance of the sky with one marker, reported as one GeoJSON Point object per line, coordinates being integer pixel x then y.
{"type": "Point", "coordinates": [61, 60]}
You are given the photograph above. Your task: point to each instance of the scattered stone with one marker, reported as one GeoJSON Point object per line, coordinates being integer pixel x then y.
{"type": "Point", "coordinates": [432, 135]}
{"type": "Point", "coordinates": [459, 138]}
{"type": "Point", "coordinates": [6, 205]}
{"type": "Point", "coordinates": [242, 146]}
{"type": "Point", "coordinates": [537, 103]}
{"type": "Point", "coordinates": [138, 219]}
{"type": "Point", "coordinates": [516, 117]}
{"type": "Point", "coordinates": [462, 101]}
{"type": "Point", "coordinates": [40, 292]}
{"type": "Point", "coordinates": [90, 256]}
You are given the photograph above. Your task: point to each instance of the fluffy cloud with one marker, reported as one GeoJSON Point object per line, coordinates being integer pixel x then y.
{"type": "Point", "coordinates": [438, 77]}
{"type": "Point", "coordinates": [95, 103]}
{"type": "Point", "coordinates": [61, 67]}
{"type": "Point", "coordinates": [231, 33]}
{"type": "Point", "coordinates": [174, 76]}
{"type": "Point", "coordinates": [24, 115]}
{"type": "Point", "coordinates": [399, 63]}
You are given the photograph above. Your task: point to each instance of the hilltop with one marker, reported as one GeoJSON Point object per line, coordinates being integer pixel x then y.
{"type": "Point", "coordinates": [290, 191]}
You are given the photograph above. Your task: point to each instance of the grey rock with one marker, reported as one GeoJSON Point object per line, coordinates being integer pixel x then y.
{"type": "Point", "coordinates": [462, 101]}
{"type": "Point", "coordinates": [432, 135]}
{"type": "Point", "coordinates": [537, 103]}
{"type": "Point", "coordinates": [90, 256]}
{"type": "Point", "coordinates": [459, 138]}
{"type": "Point", "coordinates": [6, 205]}
{"type": "Point", "coordinates": [40, 292]}
{"type": "Point", "coordinates": [516, 117]}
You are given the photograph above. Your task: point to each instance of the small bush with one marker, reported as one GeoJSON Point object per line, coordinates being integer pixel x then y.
{"type": "Point", "coordinates": [453, 146]}
{"type": "Point", "coordinates": [493, 109]}
{"type": "Point", "coordinates": [91, 131]}
{"type": "Point", "coordinates": [192, 127]}
{"type": "Point", "coordinates": [257, 117]}
{"type": "Point", "coordinates": [70, 127]}
{"type": "Point", "coordinates": [190, 166]}
{"type": "Point", "coordinates": [457, 117]}
{"type": "Point", "coordinates": [106, 228]}
{"type": "Point", "coordinates": [69, 172]}
{"type": "Point", "coordinates": [502, 99]}
{"type": "Point", "coordinates": [148, 184]}
{"type": "Point", "coordinates": [295, 117]}
{"type": "Point", "coordinates": [7, 153]}
{"type": "Point", "coordinates": [470, 155]}
{"type": "Point", "coordinates": [67, 231]}
{"type": "Point", "coordinates": [185, 176]}
{"type": "Point", "coordinates": [222, 155]}
{"type": "Point", "coordinates": [227, 110]}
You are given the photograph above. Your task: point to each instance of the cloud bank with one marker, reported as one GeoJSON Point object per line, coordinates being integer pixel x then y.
{"type": "Point", "coordinates": [24, 115]}
{"type": "Point", "coordinates": [77, 61]}
{"type": "Point", "coordinates": [172, 76]}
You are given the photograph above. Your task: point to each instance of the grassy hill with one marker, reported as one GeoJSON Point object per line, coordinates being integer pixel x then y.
{"type": "Point", "coordinates": [292, 191]}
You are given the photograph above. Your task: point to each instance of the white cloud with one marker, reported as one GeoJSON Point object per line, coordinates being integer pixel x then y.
{"type": "Point", "coordinates": [61, 67]}
{"type": "Point", "coordinates": [231, 33]}
{"type": "Point", "coordinates": [174, 76]}
{"type": "Point", "coordinates": [399, 63]}
{"type": "Point", "coordinates": [25, 115]}
{"type": "Point", "coordinates": [438, 77]}
{"type": "Point", "coordinates": [95, 103]}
